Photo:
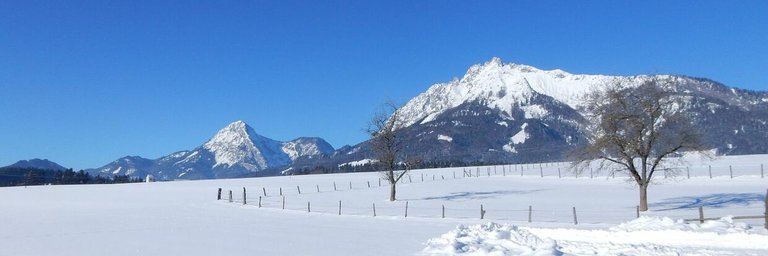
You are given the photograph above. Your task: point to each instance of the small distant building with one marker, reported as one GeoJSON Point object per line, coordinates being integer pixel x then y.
{"type": "Point", "coordinates": [149, 178]}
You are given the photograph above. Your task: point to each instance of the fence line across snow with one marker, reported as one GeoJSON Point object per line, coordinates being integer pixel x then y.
{"type": "Point", "coordinates": [529, 214]}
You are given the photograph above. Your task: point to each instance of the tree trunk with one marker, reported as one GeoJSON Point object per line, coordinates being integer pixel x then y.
{"type": "Point", "coordinates": [643, 198]}
{"type": "Point", "coordinates": [392, 191]}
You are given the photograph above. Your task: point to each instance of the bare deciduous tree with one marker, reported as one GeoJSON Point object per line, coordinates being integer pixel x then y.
{"type": "Point", "coordinates": [637, 129]}
{"type": "Point", "coordinates": [387, 146]}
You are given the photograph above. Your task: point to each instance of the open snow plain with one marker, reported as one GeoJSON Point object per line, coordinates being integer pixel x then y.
{"type": "Point", "coordinates": [184, 217]}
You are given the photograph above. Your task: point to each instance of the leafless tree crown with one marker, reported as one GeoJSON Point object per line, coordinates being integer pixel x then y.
{"type": "Point", "coordinates": [387, 145]}
{"type": "Point", "coordinates": [636, 129]}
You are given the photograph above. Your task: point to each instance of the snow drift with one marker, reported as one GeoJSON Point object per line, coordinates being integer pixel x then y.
{"type": "Point", "coordinates": [643, 236]}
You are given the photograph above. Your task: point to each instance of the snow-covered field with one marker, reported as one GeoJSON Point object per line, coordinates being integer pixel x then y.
{"type": "Point", "coordinates": [184, 217]}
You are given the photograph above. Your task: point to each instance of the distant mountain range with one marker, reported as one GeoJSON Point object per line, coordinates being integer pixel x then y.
{"type": "Point", "coordinates": [496, 112]}
{"type": "Point", "coordinates": [236, 150]}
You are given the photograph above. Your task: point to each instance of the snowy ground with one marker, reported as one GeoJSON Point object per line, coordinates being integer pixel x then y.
{"type": "Point", "coordinates": [184, 217]}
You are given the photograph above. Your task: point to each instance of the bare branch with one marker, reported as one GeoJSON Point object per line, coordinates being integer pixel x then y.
{"type": "Point", "coordinates": [637, 124]}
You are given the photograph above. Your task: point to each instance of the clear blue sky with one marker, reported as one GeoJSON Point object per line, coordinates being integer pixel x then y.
{"type": "Point", "coordinates": [83, 83]}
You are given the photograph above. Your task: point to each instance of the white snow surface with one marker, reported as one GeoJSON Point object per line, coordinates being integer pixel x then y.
{"type": "Point", "coordinates": [506, 86]}
{"type": "Point", "coordinates": [490, 239]}
{"type": "Point", "coordinates": [184, 217]}
{"type": "Point", "coordinates": [643, 236]}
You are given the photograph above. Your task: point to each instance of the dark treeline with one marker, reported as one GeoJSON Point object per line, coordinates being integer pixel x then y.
{"type": "Point", "coordinates": [11, 176]}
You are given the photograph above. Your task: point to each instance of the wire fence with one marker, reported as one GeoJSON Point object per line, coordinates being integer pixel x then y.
{"type": "Point", "coordinates": [284, 197]}
{"type": "Point", "coordinates": [409, 209]}
{"type": "Point", "coordinates": [542, 170]}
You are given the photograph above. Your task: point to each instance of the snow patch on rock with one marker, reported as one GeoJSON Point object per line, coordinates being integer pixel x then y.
{"type": "Point", "coordinates": [521, 136]}
{"type": "Point", "coordinates": [359, 162]}
{"type": "Point", "coordinates": [444, 138]}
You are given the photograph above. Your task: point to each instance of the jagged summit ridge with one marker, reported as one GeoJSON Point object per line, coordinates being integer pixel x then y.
{"type": "Point", "coordinates": [505, 87]}
{"type": "Point", "coordinates": [239, 143]}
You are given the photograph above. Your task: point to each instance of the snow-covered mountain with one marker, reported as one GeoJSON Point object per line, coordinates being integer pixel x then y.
{"type": "Point", "coordinates": [517, 113]}
{"type": "Point", "coordinates": [36, 163]}
{"type": "Point", "coordinates": [496, 113]}
{"type": "Point", "coordinates": [506, 87]}
{"type": "Point", "coordinates": [234, 151]}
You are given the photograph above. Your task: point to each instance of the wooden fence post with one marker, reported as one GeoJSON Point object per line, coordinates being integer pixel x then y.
{"type": "Point", "coordinates": [637, 211]}
{"type": "Point", "coordinates": [489, 171]}
{"type": "Point", "coordinates": [541, 171]}
{"type": "Point", "coordinates": [701, 214]}
{"type": "Point", "coordinates": [259, 201]}
{"type": "Point", "coordinates": [334, 186]}
{"type": "Point", "coordinates": [558, 174]}
{"type": "Point", "coordinates": [281, 191]}
{"type": "Point", "coordinates": [530, 213]}
{"type": "Point", "coordinates": [406, 209]}
{"type": "Point", "coordinates": [283, 203]}
{"type": "Point", "coordinates": [230, 196]}
{"type": "Point", "coordinates": [374, 209]}
{"type": "Point", "coordinates": [350, 185]}
{"type": "Point", "coordinates": [318, 188]}
{"type": "Point", "coordinates": [218, 197]}
{"type": "Point", "coordinates": [575, 220]}
{"type": "Point", "coordinates": [369, 184]}
{"type": "Point", "coordinates": [244, 197]}
{"type": "Point", "coordinates": [482, 212]}
{"type": "Point", "coordinates": [379, 182]}
{"type": "Point", "coordinates": [442, 177]}
{"type": "Point", "coordinates": [263, 189]}
{"type": "Point", "coordinates": [591, 173]}
{"type": "Point", "coordinates": [308, 209]}
{"type": "Point", "coordinates": [730, 168]}
{"type": "Point", "coordinates": [710, 171]}
{"type": "Point", "coordinates": [339, 207]}
{"type": "Point", "coordinates": [454, 174]}
{"type": "Point", "coordinates": [443, 211]}
{"type": "Point", "coordinates": [433, 177]}
{"type": "Point", "coordinates": [766, 209]}
{"type": "Point", "coordinates": [422, 177]}
{"type": "Point", "coordinates": [298, 189]}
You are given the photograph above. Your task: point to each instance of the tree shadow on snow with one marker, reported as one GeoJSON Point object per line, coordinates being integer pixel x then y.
{"type": "Point", "coordinates": [479, 195]}
{"type": "Point", "coordinates": [711, 201]}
